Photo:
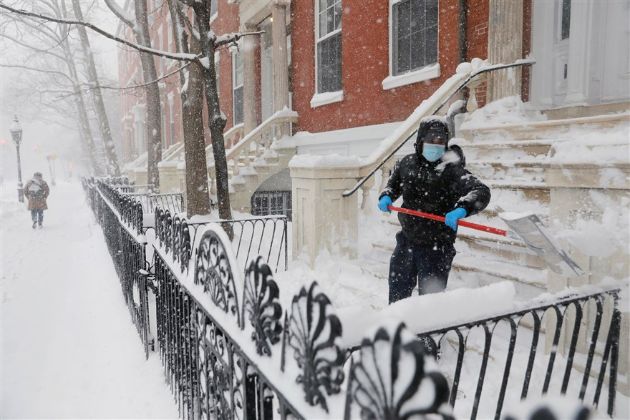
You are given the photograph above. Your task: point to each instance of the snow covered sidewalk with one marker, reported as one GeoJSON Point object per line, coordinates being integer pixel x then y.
{"type": "Point", "coordinates": [68, 347]}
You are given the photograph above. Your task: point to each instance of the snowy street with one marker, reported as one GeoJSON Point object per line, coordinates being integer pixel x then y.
{"type": "Point", "coordinates": [68, 347]}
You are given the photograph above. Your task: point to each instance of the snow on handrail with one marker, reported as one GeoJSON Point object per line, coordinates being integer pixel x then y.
{"type": "Point", "coordinates": [465, 73]}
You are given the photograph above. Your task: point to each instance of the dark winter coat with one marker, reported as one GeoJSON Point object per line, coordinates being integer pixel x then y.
{"type": "Point", "coordinates": [434, 187]}
{"type": "Point", "coordinates": [36, 191]}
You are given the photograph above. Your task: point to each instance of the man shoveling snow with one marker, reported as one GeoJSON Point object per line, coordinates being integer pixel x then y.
{"type": "Point", "coordinates": [432, 180]}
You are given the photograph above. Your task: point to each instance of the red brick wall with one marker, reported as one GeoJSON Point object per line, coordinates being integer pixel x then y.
{"type": "Point", "coordinates": [365, 53]}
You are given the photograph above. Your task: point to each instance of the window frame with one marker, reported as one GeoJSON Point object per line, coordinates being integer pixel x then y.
{"type": "Point", "coordinates": [235, 87]}
{"type": "Point", "coordinates": [323, 98]}
{"type": "Point", "coordinates": [171, 117]}
{"type": "Point", "coordinates": [427, 72]}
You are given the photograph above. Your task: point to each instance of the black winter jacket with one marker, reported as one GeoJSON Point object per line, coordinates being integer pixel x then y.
{"type": "Point", "coordinates": [434, 187]}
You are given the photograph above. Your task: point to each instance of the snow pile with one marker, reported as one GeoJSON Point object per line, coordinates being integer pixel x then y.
{"type": "Point", "coordinates": [593, 145]}
{"type": "Point", "coordinates": [509, 110]}
{"type": "Point", "coordinates": [605, 232]}
{"type": "Point", "coordinates": [431, 312]}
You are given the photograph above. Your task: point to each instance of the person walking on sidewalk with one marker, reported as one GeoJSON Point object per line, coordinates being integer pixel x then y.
{"type": "Point", "coordinates": [432, 180]}
{"type": "Point", "coordinates": [36, 190]}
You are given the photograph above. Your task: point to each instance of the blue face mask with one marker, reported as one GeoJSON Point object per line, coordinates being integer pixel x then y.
{"type": "Point", "coordinates": [433, 152]}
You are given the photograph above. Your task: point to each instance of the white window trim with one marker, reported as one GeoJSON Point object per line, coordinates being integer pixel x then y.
{"type": "Point", "coordinates": [325, 98]}
{"type": "Point", "coordinates": [215, 14]}
{"type": "Point", "coordinates": [317, 40]}
{"type": "Point", "coordinates": [429, 72]}
{"type": "Point", "coordinates": [234, 87]}
{"type": "Point", "coordinates": [424, 73]}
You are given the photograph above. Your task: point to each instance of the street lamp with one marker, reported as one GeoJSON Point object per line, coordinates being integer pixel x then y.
{"type": "Point", "coordinates": [16, 133]}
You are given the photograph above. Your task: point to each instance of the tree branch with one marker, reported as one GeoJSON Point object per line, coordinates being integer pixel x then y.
{"type": "Point", "coordinates": [120, 14]}
{"type": "Point", "coordinates": [17, 66]}
{"type": "Point", "coordinates": [178, 57]}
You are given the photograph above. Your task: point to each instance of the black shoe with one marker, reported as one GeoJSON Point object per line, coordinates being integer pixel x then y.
{"type": "Point", "coordinates": [40, 225]}
{"type": "Point", "coordinates": [34, 225]}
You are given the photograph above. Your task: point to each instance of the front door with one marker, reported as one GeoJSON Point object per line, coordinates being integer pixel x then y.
{"type": "Point", "coordinates": [561, 49]}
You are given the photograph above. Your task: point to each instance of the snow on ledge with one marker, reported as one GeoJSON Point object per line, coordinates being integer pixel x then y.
{"type": "Point", "coordinates": [429, 72]}
{"type": "Point", "coordinates": [325, 161]}
{"type": "Point", "coordinates": [320, 99]}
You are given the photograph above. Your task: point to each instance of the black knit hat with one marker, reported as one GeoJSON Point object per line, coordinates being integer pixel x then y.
{"type": "Point", "coordinates": [434, 125]}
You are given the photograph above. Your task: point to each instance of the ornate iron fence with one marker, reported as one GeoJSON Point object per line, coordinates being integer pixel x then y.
{"type": "Point", "coordinates": [121, 219]}
{"type": "Point", "coordinates": [174, 202]}
{"type": "Point", "coordinates": [578, 331]}
{"type": "Point", "coordinates": [230, 350]}
{"type": "Point", "coordinates": [262, 235]}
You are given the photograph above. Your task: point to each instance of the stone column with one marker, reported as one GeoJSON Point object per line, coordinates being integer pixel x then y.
{"type": "Point", "coordinates": [280, 58]}
{"type": "Point", "coordinates": [505, 45]}
{"type": "Point", "coordinates": [322, 218]}
{"type": "Point", "coordinates": [250, 43]}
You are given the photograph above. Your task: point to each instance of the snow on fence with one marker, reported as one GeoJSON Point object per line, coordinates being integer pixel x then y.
{"type": "Point", "coordinates": [230, 350]}
{"type": "Point", "coordinates": [567, 345]}
{"type": "Point", "coordinates": [174, 202]}
{"type": "Point", "coordinates": [263, 235]}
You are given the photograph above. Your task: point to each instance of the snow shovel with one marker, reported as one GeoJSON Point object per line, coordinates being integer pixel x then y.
{"type": "Point", "coordinates": [526, 227]}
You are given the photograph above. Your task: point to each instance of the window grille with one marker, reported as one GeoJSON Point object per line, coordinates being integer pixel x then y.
{"type": "Point", "coordinates": [328, 46]}
{"type": "Point", "coordinates": [270, 203]}
{"type": "Point", "coordinates": [415, 34]}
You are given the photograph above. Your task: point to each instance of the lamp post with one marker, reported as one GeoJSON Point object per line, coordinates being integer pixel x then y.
{"type": "Point", "coordinates": [16, 133]}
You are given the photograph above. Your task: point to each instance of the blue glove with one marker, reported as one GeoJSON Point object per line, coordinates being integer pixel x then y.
{"type": "Point", "coordinates": [453, 216]}
{"type": "Point", "coordinates": [384, 202]}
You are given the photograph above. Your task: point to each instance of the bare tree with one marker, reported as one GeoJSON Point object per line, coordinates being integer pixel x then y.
{"type": "Point", "coordinates": [139, 25]}
{"type": "Point", "coordinates": [216, 120]}
{"type": "Point", "coordinates": [53, 43]}
{"type": "Point", "coordinates": [97, 98]}
{"type": "Point", "coordinates": [191, 93]}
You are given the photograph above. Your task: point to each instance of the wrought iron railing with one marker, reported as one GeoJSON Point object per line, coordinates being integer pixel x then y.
{"type": "Point", "coordinates": [174, 202]}
{"type": "Point", "coordinates": [253, 236]}
{"type": "Point", "coordinates": [121, 219]}
{"type": "Point", "coordinates": [230, 350]}
{"type": "Point", "coordinates": [577, 333]}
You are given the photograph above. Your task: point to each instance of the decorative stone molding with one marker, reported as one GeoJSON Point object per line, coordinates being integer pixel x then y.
{"type": "Point", "coordinates": [322, 218]}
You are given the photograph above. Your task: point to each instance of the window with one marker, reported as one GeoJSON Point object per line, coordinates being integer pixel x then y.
{"type": "Point", "coordinates": [328, 29]}
{"type": "Point", "coordinates": [414, 34]}
{"type": "Point", "coordinates": [237, 87]}
{"type": "Point", "coordinates": [267, 203]}
{"type": "Point", "coordinates": [566, 19]}
{"type": "Point", "coordinates": [163, 126]}
{"type": "Point", "coordinates": [217, 70]}
{"type": "Point", "coordinates": [214, 9]}
{"type": "Point", "coordinates": [171, 115]}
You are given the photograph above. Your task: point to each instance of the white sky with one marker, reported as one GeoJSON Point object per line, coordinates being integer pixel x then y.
{"type": "Point", "coordinates": [41, 138]}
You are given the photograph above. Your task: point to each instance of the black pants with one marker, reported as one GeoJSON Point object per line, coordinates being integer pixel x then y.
{"type": "Point", "coordinates": [411, 264]}
{"type": "Point", "coordinates": [37, 215]}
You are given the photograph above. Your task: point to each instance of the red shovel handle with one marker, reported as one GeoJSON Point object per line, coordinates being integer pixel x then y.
{"type": "Point", "coordinates": [464, 223]}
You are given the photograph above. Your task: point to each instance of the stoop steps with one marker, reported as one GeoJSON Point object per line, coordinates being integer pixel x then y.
{"type": "Point", "coordinates": [512, 161]}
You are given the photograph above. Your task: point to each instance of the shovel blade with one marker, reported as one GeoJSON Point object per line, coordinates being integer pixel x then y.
{"type": "Point", "coordinates": [531, 230]}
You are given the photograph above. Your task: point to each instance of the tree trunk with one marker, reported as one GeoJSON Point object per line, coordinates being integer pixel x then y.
{"type": "Point", "coordinates": [216, 121]}
{"type": "Point", "coordinates": [198, 199]}
{"type": "Point", "coordinates": [152, 94]}
{"type": "Point", "coordinates": [99, 106]}
{"type": "Point", "coordinates": [84, 121]}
